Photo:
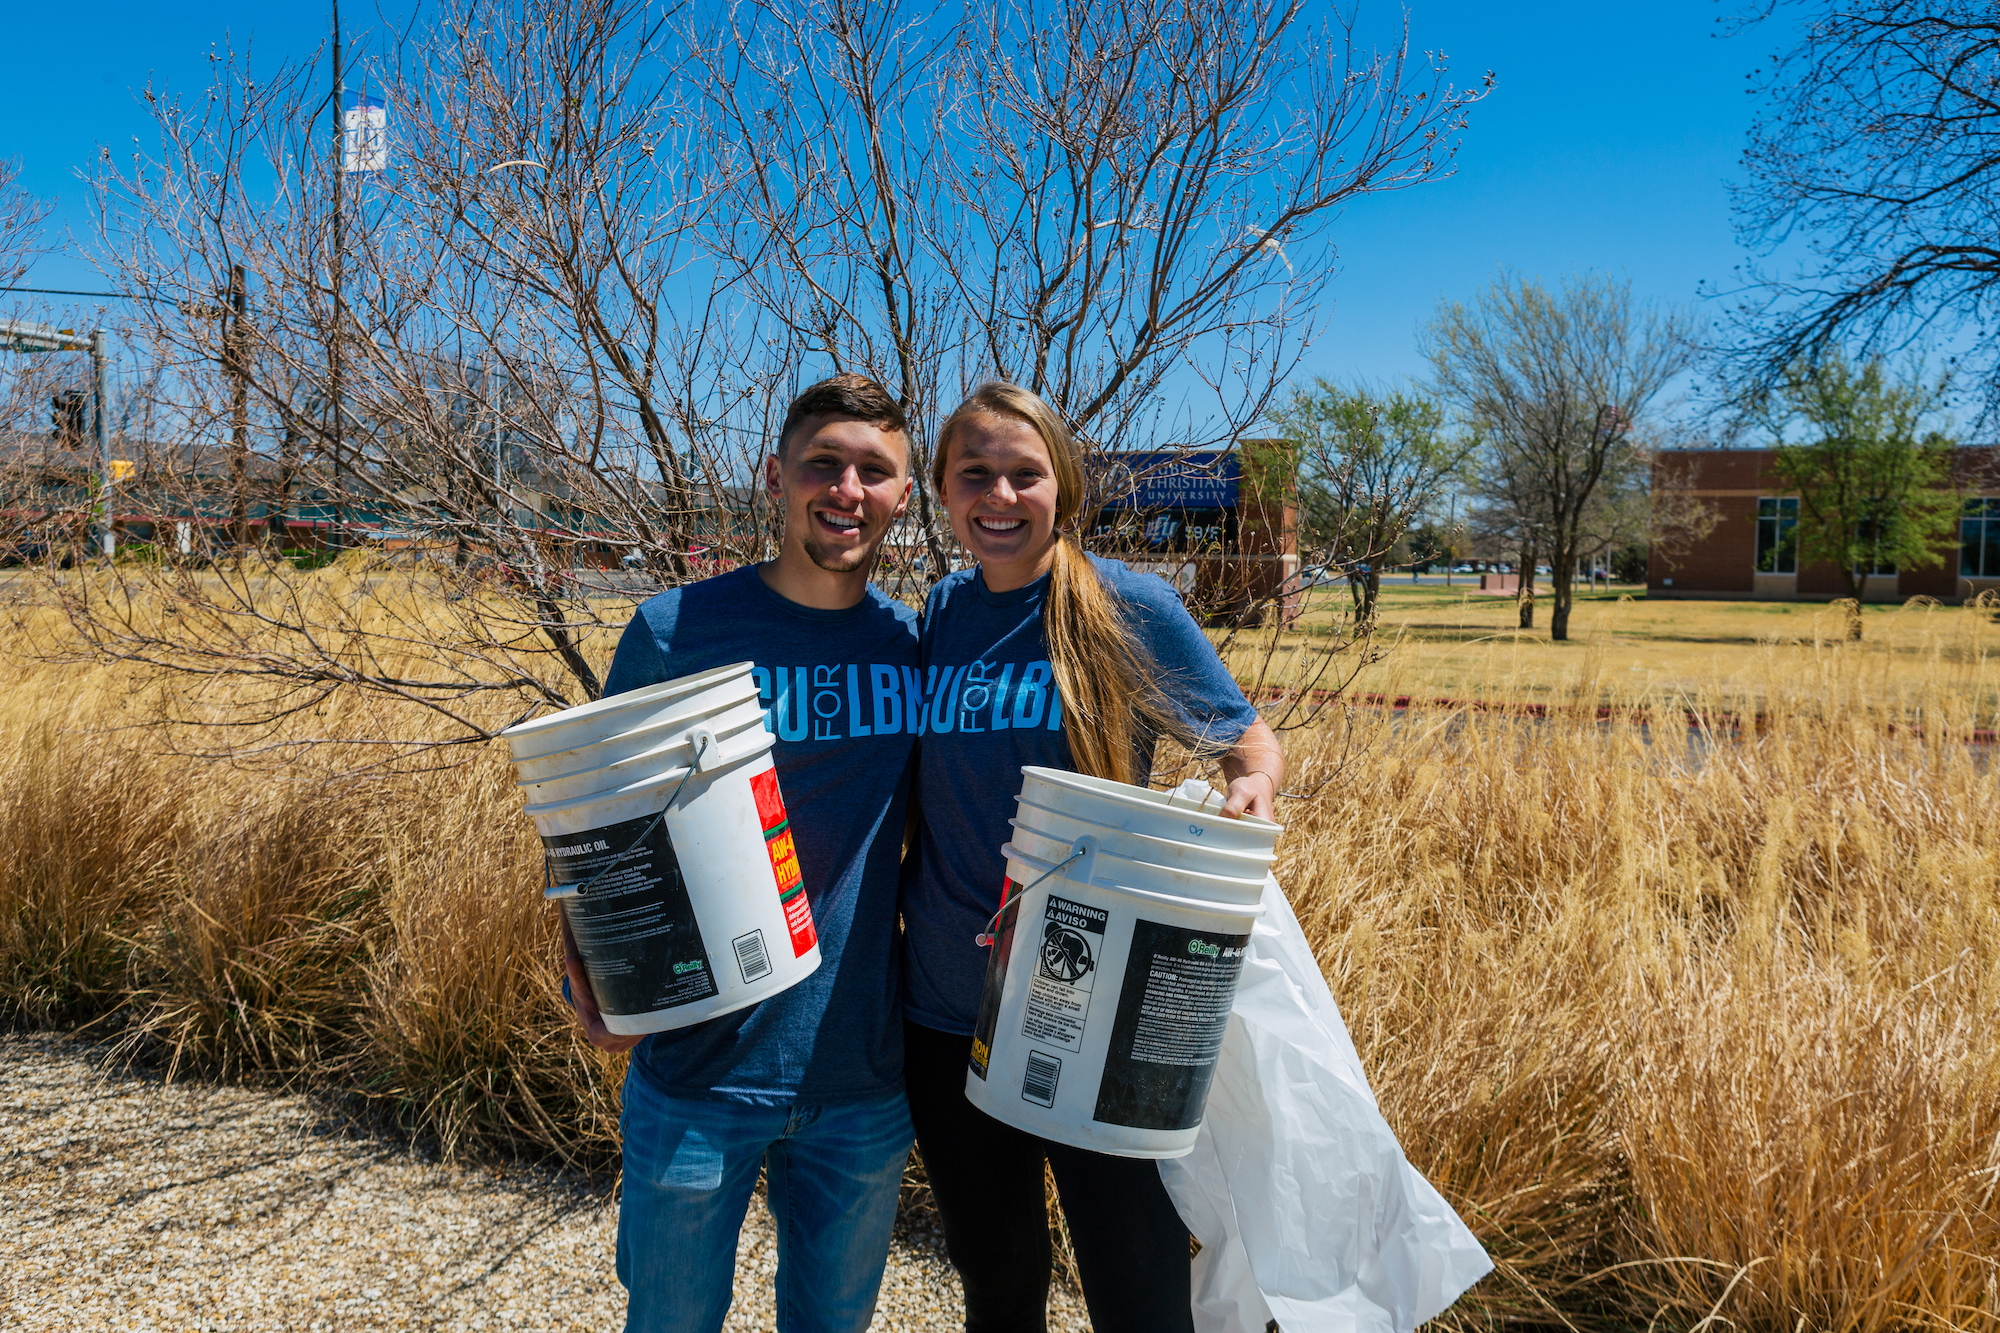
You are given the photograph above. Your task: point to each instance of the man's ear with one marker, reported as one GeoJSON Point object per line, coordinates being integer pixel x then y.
{"type": "Point", "coordinates": [904, 503]}
{"type": "Point", "coordinates": [774, 477]}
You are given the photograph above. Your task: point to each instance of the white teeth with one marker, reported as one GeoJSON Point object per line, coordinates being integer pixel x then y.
{"type": "Point", "coordinates": [1000, 524]}
{"type": "Point", "coordinates": [842, 522]}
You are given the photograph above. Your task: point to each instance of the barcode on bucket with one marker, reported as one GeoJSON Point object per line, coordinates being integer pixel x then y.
{"type": "Point", "coordinates": [750, 955]}
{"type": "Point", "coordinates": [1038, 1083]}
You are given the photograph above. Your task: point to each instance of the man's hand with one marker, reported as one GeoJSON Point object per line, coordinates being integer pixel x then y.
{"type": "Point", "coordinates": [1255, 768]}
{"type": "Point", "coordinates": [584, 1000]}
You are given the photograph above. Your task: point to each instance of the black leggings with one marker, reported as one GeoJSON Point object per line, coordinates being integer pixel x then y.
{"type": "Point", "coordinates": [1131, 1248]}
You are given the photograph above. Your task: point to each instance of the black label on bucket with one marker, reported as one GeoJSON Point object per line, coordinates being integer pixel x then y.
{"type": "Point", "coordinates": [1065, 973]}
{"type": "Point", "coordinates": [1172, 1011]}
{"type": "Point", "coordinates": [996, 978]}
{"type": "Point", "coordinates": [641, 945]}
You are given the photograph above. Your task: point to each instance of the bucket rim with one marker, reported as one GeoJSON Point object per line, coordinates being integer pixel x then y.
{"type": "Point", "coordinates": [1217, 906]}
{"type": "Point", "coordinates": [683, 722]}
{"type": "Point", "coordinates": [1263, 858]}
{"type": "Point", "coordinates": [643, 786]}
{"type": "Point", "coordinates": [727, 743]}
{"type": "Point", "coordinates": [614, 703]}
{"type": "Point", "coordinates": [1105, 853]}
{"type": "Point", "coordinates": [1123, 794]}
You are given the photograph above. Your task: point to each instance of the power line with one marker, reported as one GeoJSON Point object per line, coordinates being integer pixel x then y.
{"type": "Point", "coordinates": [65, 291]}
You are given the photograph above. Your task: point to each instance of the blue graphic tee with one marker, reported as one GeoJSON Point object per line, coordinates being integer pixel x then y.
{"type": "Point", "coordinates": [840, 690]}
{"type": "Point", "coordinates": [993, 709]}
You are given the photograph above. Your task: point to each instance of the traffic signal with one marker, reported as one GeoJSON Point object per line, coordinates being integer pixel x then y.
{"type": "Point", "coordinates": [68, 413]}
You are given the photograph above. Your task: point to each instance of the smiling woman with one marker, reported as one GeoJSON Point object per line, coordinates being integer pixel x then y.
{"type": "Point", "coordinates": [1040, 655]}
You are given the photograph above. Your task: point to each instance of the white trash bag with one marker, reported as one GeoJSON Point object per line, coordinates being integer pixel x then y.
{"type": "Point", "coordinates": [1306, 1210]}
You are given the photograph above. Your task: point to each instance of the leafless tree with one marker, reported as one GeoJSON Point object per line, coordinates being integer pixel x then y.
{"type": "Point", "coordinates": [1879, 147]}
{"type": "Point", "coordinates": [1122, 204]}
{"type": "Point", "coordinates": [612, 241]}
{"type": "Point", "coordinates": [26, 382]}
{"type": "Point", "coordinates": [1559, 386]}
{"type": "Point", "coordinates": [21, 219]}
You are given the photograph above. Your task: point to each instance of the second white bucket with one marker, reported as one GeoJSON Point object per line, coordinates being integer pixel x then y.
{"type": "Point", "coordinates": [1114, 961]}
{"type": "Point", "coordinates": [673, 860]}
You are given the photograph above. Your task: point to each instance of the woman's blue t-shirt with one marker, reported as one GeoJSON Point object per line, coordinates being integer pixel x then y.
{"type": "Point", "coordinates": [991, 708]}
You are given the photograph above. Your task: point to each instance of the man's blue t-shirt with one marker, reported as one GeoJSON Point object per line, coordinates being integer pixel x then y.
{"type": "Point", "coordinates": [840, 691]}
{"type": "Point", "coordinates": [993, 709]}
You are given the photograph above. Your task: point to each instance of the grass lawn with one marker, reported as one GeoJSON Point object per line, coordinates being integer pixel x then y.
{"type": "Point", "coordinates": [1457, 643]}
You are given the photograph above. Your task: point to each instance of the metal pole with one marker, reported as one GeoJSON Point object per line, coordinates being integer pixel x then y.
{"type": "Point", "coordinates": [98, 360]}
{"type": "Point", "coordinates": [339, 247]}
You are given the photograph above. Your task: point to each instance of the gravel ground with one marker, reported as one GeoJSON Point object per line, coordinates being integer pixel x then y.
{"type": "Point", "coordinates": [134, 1205]}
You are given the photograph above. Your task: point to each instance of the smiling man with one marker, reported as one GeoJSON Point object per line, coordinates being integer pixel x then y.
{"type": "Point", "coordinates": [809, 1083]}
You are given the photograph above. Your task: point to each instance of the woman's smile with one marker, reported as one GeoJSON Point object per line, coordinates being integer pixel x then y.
{"type": "Point", "coordinates": [1000, 490]}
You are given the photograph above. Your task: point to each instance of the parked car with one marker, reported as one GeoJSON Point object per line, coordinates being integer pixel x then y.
{"type": "Point", "coordinates": [633, 559]}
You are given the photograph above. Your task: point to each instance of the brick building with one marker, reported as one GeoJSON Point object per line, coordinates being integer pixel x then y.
{"type": "Point", "coordinates": [1752, 553]}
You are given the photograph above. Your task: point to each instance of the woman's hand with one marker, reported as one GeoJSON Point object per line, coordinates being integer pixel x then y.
{"type": "Point", "coordinates": [1253, 793]}
{"type": "Point", "coordinates": [583, 1000]}
{"type": "Point", "coordinates": [1255, 769]}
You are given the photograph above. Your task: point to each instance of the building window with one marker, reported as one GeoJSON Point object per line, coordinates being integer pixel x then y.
{"type": "Point", "coordinates": [1868, 535]}
{"type": "Point", "coordinates": [1777, 536]}
{"type": "Point", "coordinates": [1979, 539]}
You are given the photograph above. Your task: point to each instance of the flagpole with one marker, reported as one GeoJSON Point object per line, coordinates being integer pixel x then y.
{"type": "Point", "coordinates": [339, 247]}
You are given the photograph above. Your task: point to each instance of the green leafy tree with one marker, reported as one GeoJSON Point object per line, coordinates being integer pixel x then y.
{"type": "Point", "coordinates": [1368, 463]}
{"type": "Point", "coordinates": [1873, 483]}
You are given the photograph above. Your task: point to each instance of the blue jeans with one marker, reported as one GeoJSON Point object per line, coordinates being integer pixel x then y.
{"type": "Point", "coordinates": [832, 1174]}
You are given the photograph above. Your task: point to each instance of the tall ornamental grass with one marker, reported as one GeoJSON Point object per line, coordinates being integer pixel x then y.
{"type": "Point", "coordinates": [1694, 1021]}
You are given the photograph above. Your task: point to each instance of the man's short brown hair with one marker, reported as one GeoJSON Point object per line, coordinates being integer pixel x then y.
{"type": "Point", "coordinates": [849, 395]}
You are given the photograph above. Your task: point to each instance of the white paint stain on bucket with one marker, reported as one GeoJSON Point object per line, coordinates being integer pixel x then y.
{"type": "Point", "coordinates": [1125, 919]}
{"type": "Point", "coordinates": [669, 849]}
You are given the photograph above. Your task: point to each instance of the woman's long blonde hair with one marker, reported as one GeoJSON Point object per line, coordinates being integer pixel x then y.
{"type": "Point", "coordinates": [1107, 681]}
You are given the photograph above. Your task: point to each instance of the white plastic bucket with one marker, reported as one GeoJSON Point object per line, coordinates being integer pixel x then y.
{"type": "Point", "coordinates": [1124, 921]}
{"type": "Point", "coordinates": [685, 915]}
{"type": "Point", "coordinates": [721, 715]}
{"type": "Point", "coordinates": [616, 714]}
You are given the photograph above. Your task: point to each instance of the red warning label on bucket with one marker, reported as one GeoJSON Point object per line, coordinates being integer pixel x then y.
{"type": "Point", "coordinates": [784, 855]}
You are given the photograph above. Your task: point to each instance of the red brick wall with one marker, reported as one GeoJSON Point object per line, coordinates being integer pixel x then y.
{"type": "Point", "coordinates": [1724, 561]}
{"type": "Point", "coordinates": [1732, 480]}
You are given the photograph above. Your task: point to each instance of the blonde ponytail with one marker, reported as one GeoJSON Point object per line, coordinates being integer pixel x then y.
{"type": "Point", "coordinates": [1108, 683]}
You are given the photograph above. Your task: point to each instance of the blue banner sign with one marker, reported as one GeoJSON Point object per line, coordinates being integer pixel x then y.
{"type": "Point", "coordinates": [1169, 479]}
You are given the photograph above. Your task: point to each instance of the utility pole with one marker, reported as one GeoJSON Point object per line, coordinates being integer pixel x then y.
{"type": "Point", "coordinates": [339, 250]}
{"type": "Point", "coordinates": [235, 361]}
{"type": "Point", "coordinates": [99, 361]}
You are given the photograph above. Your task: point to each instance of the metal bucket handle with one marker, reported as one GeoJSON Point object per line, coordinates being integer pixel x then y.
{"type": "Point", "coordinates": [707, 755]}
{"type": "Point", "coordinates": [1079, 850]}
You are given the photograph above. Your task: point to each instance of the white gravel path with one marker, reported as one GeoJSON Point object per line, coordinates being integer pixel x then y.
{"type": "Point", "coordinates": [133, 1205]}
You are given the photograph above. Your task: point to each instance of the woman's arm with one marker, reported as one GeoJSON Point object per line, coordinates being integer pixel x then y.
{"type": "Point", "coordinates": [1255, 769]}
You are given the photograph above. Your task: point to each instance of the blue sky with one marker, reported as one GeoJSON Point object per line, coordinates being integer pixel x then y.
{"type": "Point", "coordinates": [1607, 143]}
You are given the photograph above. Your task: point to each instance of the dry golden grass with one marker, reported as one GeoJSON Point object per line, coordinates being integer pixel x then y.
{"type": "Point", "coordinates": [1686, 1025]}
{"type": "Point", "coordinates": [1626, 650]}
